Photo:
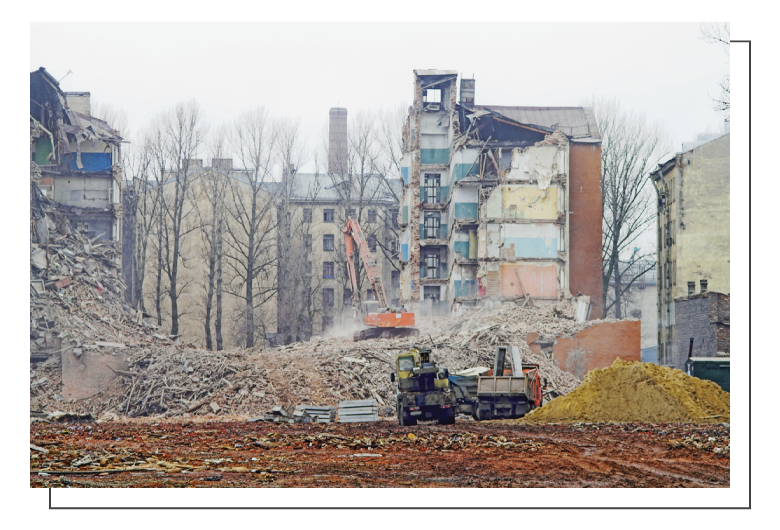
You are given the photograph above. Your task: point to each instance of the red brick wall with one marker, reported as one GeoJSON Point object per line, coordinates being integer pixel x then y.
{"type": "Point", "coordinates": [88, 375]}
{"type": "Point", "coordinates": [585, 224]}
{"type": "Point", "coordinates": [598, 346]}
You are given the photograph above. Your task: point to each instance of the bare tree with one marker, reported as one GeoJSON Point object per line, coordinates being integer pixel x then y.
{"type": "Point", "coordinates": [209, 206]}
{"type": "Point", "coordinates": [141, 214]}
{"type": "Point", "coordinates": [252, 240]}
{"type": "Point", "coordinates": [720, 33]}
{"type": "Point", "coordinates": [630, 149]}
{"type": "Point", "coordinates": [297, 283]}
{"type": "Point", "coordinates": [176, 140]}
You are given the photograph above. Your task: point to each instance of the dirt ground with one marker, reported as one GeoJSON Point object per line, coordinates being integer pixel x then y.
{"type": "Point", "coordinates": [382, 454]}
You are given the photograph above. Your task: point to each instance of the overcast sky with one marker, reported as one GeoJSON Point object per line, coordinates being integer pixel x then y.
{"type": "Point", "coordinates": [302, 70]}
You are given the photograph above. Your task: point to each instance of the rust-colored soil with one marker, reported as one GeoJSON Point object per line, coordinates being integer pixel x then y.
{"type": "Point", "coordinates": [467, 454]}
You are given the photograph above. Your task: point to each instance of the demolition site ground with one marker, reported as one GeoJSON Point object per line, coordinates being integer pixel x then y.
{"type": "Point", "coordinates": [382, 454]}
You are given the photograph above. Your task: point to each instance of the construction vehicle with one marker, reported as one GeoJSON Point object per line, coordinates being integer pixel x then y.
{"type": "Point", "coordinates": [380, 319]}
{"type": "Point", "coordinates": [501, 392]}
{"type": "Point", "coordinates": [423, 391]}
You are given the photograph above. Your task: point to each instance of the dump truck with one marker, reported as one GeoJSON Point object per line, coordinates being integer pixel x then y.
{"type": "Point", "coordinates": [376, 316]}
{"type": "Point", "coordinates": [423, 390]}
{"type": "Point", "coordinates": [500, 393]}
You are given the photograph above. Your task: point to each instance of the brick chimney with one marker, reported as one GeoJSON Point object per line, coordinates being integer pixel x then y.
{"type": "Point", "coordinates": [467, 92]}
{"type": "Point", "coordinates": [337, 141]}
{"type": "Point", "coordinates": [224, 164]}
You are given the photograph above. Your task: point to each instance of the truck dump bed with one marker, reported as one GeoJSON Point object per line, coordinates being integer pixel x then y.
{"type": "Point", "coordinates": [498, 385]}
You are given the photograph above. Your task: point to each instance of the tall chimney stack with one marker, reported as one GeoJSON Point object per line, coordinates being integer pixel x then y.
{"type": "Point", "coordinates": [337, 136]}
{"type": "Point", "coordinates": [467, 92]}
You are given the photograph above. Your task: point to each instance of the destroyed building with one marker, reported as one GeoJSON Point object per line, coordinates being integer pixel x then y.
{"type": "Point", "coordinates": [79, 157]}
{"type": "Point", "coordinates": [499, 202]}
{"type": "Point", "coordinates": [693, 219]}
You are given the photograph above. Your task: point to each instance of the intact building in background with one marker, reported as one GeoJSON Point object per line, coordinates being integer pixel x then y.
{"type": "Point", "coordinates": [498, 201]}
{"type": "Point", "coordinates": [79, 157]}
{"type": "Point", "coordinates": [693, 189]}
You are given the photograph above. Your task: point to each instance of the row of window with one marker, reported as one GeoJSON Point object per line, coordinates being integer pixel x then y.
{"type": "Point", "coordinates": [328, 294]}
{"type": "Point", "coordinates": [329, 215]}
{"type": "Point", "coordinates": [329, 243]}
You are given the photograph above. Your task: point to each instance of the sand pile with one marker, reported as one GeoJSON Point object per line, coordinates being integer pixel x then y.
{"type": "Point", "coordinates": [638, 392]}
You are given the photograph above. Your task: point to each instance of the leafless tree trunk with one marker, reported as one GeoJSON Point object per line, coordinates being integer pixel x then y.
{"type": "Point", "coordinates": [210, 189]}
{"type": "Point", "coordinates": [720, 33]}
{"type": "Point", "coordinates": [630, 149]}
{"type": "Point", "coordinates": [179, 135]}
{"type": "Point", "coordinates": [253, 137]}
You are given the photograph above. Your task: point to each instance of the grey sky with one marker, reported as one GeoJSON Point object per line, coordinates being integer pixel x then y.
{"type": "Point", "coordinates": [301, 70]}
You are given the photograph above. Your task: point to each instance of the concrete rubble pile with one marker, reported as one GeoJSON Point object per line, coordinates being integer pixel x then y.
{"type": "Point", "coordinates": [76, 300]}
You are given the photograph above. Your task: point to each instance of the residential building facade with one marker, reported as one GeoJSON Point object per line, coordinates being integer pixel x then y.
{"type": "Point", "coordinates": [498, 201]}
{"type": "Point", "coordinates": [693, 195]}
{"type": "Point", "coordinates": [79, 157]}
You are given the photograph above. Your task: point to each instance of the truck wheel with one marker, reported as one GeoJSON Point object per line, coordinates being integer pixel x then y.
{"type": "Point", "coordinates": [403, 419]}
{"type": "Point", "coordinates": [447, 417]}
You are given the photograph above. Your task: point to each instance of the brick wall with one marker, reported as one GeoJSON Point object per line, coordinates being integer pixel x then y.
{"type": "Point", "coordinates": [598, 346]}
{"type": "Point", "coordinates": [585, 221]}
{"type": "Point", "coordinates": [706, 319]}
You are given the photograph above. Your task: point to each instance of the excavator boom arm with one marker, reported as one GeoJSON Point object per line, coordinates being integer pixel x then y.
{"type": "Point", "coordinates": [353, 237]}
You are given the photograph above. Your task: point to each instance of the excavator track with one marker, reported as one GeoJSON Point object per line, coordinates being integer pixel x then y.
{"type": "Point", "coordinates": [385, 333]}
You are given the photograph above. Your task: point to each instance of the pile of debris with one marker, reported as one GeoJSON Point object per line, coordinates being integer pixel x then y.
{"type": "Point", "coordinates": [76, 300]}
{"type": "Point", "coordinates": [638, 392]}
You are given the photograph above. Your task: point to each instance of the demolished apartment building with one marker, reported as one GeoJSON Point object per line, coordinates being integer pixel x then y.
{"type": "Point", "coordinates": [499, 202]}
{"type": "Point", "coordinates": [78, 157]}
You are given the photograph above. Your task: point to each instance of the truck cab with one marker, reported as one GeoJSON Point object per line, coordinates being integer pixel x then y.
{"type": "Point", "coordinates": [423, 389]}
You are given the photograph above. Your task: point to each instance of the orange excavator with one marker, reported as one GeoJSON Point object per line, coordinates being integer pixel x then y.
{"type": "Point", "coordinates": [380, 319]}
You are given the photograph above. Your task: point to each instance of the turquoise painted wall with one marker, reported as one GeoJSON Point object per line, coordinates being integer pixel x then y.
{"type": "Point", "coordinates": [405, 174]}
{"type": "Point", "coordinates": [462, 169]}
{"type": "Point", "coordinates": [434, 156]}
{"type": "Point", "coordinates": [462, 247]}
{"type": "Point", "coordinates": [465, 288]}
{"type": "Point", "coordinates": [406, 214]}
{"type": "Point", "coordinates": [528, 247]}
{"type": "Point", "coordinates": [465, 210]}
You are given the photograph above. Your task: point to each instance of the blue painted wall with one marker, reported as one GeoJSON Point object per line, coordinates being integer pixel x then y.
{"type": "Point", "coordinates": [404, 252]}
{"type": "Point", "coordinates": [530, 247]}
{"type": "Point", "coordinates": [435, 156]}
{"type": "Point", "coordinates": [405, 174]}
{"type": "Point", "coordinates": [462, 169]}
{"type": "Point", "coordinates": [462, 247]}
{"type": "Point", "coordinates": [464, 288]}
{"type": "Point", "coordinates": [465, 210]}
{"type": "Point", "coordinates": [92, 162]}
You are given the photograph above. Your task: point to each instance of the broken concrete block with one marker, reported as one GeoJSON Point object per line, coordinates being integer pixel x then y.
{"type": "Point", "coordinates": [38, 258]}
{"type": "Point", "coordinates": [214, 407]}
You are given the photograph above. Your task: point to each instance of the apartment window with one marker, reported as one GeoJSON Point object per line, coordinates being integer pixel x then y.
{"type": "Point", "coordinates": [352, 213]}
{"type": "Point", "coordinates": [432, 265]}
{"type": "Point", "coordinates": [691, 288]}
{"type": "Point", "coordinates": [372, 243]}
{"type": "Point", "coordinates": [372, 216]}
{"type": "Point", "coordinates": [393, 244]}
{"type": "Point", "coordinates": [703, 284]}
{"type": "Point", "coordinates": [307, 268]}
{"type": "Point", "coordinates": [432, 95]}
{"type": "Point", "coordinates": [395, 279]}
{"type": "Point", "coordinates": [370, 295]}
{"type": "Point", "coordinates": [327, 269]}
{"type": "Point", "coordinates": [307, 242]}
{"type": "Point", "coordinates": [307, 215]}
{"type": "Point", "coordinates": [432, 225]}
{"type": "Point", "coordinates": [347, 297]}
{"type": "Point", "coordinates": [328, 243]}
{"type": "Point", "coordinates": [327, 297]}
{"type": "Point", "coordinates": [327, 216]}
{"type": "Point", "coordinates": [394, 216]}
{"type": "Point", "coordinates": [327, 323]}
{"type": "Point", "coordinates": [432, 186]}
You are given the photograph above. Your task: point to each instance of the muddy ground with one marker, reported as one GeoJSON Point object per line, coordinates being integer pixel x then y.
{"type": "Point", "coordinates": [382, 454]}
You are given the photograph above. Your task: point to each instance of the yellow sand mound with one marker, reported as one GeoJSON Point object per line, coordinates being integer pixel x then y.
{"type": "Point", "coordinates": [637, 392]}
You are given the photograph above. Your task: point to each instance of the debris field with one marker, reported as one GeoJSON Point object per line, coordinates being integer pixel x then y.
{"type": "Point", "coordinates": [381, 454]}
